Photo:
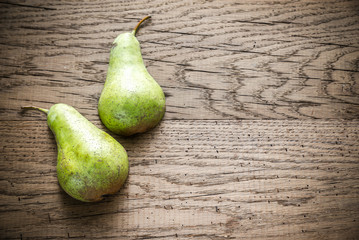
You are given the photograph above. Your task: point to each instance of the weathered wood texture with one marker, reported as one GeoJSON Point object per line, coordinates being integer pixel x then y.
{"type": "Point", "coordinates": [247, 179]}
{"type": "Point", "coordinates": [261, 135]}
{"type": "Point", "coordinates": [214, 59]}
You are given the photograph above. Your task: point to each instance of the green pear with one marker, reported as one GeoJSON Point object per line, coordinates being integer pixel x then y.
{"type": "Point", "coordinates": [131, 101]}
{"type": "Point", "coordinates": [90, 163]}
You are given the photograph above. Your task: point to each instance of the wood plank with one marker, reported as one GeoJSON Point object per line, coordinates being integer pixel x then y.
{"type": "Point", "coordinates": [214, 59]}
{"type": "Point", "coordinates": [228, 179]}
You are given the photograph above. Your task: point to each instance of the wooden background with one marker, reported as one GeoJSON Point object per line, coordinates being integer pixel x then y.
{"type": "Point", "coordinates": [261, 135]}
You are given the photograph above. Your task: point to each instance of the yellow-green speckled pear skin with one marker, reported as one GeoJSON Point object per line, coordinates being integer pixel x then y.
{"type": "Point", "coordinates": [131, 101]}
{"type": "Point", "coordinates": [90, 162]}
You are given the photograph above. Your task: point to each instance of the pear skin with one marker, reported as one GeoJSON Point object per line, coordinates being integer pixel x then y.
{"type": "Point", "coordinates": [90, 162]}
{"type": "Point", "coordinates": [131, 101]}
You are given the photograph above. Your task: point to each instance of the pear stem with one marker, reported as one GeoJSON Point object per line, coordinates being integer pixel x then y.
{"type": "Point", "coordinates": [138, 24]}
{"type": "Point", "coordinates": [35, 108]}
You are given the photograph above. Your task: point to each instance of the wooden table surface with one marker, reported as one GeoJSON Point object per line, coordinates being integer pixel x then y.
{"type": "Point", "coordinates": [260, 139]}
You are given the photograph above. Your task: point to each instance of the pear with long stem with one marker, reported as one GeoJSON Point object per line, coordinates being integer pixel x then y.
{"type": "Point", "coordinates": [90, 163]}
{"type": "Point", "coordinates": [131, 101]}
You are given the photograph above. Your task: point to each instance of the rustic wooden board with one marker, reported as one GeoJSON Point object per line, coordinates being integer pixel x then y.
{"type": "Point", "coordinates": [261, 135]}
{"type": "Point", "coordinates": [215, 59]}
{"type": "Point", "coordinates": [205, 179]}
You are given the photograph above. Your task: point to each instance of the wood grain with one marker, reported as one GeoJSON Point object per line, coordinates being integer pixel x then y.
{"type": "Point", "coordinates": [243, 179]}
{"type": "Point", "coordinates": [261, 135]}
{"type": "Point", "coordinates": [214, 59]}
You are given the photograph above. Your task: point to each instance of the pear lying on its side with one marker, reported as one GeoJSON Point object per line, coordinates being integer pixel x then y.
{"type": "Point", "coordinates": [90, 162]}
{"type": "Point", "coordinates": [131, 101]}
